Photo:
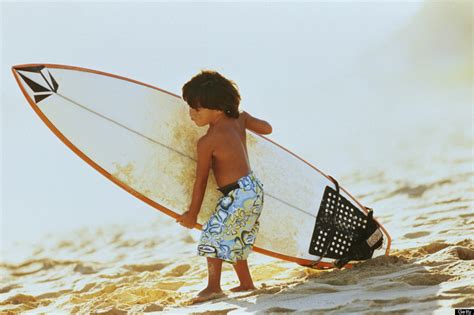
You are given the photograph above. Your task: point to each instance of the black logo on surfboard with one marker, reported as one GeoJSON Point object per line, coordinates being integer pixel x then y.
{"type": "Point", "coordinates": [43, 86]}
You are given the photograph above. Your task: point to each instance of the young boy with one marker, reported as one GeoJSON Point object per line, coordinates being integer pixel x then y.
{"type": "Point", "coordinates": [230, 232]}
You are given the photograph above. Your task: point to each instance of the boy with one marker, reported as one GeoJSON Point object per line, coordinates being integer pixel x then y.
{"type": "Point", "coordinates": [230, 232]}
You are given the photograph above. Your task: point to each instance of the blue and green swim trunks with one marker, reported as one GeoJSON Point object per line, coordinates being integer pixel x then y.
{"type": "Point", "coordinates": [230, 232]}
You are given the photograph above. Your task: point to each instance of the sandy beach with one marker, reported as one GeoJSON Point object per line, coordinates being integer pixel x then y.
{"type": "Point", "coordinates": [417, 175]}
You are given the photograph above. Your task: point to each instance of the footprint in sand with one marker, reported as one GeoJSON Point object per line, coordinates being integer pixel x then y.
{"type": "Point", "coordinates": [416, 234]}
{"type": "Point", "coordinates": [279, 310]}
{"type": "Point", "coordinates": [425, 278]}
{"type": "Point", "coordinates": [8, 288]}
{"type": "Point", "coordinates": [200, 299]}
{"type": "Point", "coordinates": [21, 299]}
{"type": "Point", "coordinates": [153, 308]}
{"type": "Point", "coordinates": [178, 271]}
{"type": "Point", "coordinates": [464, 253]}
{"type": "Point", "coordinates": [146, 267]}
{"type": "Point", "coordinates": [85, 270]}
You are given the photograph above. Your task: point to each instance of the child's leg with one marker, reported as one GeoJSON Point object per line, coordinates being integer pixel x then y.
{"type": "Point", "coordinates": [243, 272]}
{"type": "Point", "coordinates": [214, 269]}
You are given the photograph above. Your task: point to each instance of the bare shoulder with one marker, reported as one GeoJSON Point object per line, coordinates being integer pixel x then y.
{"type": "Point", "coordinates": [244, 115]}
{"type": "Point", "coordinates": [206, 142]}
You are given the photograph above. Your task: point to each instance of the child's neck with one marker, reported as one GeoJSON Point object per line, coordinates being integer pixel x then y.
{"type": "Point", "coordinates": [218, 118]}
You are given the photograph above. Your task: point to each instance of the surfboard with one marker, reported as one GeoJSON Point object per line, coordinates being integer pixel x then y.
{"type": "Point", "coordinates": [141, 138]}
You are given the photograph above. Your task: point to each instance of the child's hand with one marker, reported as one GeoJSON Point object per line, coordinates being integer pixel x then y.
{"type": "Point", "coordinates": [187, 219]}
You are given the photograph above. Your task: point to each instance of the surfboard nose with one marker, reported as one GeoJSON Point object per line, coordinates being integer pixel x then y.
{"type": "Point", "coordinates": [39, 80]}
{"type": "Point", "coordinates": [29, 67]}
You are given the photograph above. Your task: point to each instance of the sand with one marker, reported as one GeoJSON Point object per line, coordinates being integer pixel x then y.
{"type": "Point", "coordinates": [123, 269]}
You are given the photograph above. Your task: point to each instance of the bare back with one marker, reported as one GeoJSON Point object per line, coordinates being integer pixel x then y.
{"type": "Point", "coordinates": [229, 158]}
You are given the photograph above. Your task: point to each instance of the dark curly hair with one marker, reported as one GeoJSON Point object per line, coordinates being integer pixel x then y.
{"type": "Point", "coordinates": [209, 89]}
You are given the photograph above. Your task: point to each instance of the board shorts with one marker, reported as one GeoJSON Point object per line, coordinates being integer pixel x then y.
{"type": "Point", "coordinates": [230, 232]}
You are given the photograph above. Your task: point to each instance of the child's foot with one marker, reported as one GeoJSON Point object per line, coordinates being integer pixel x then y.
{"type": "Point", "coordinates": [208, 294]}
{"type": "Point", "coordinates": [242, 288]}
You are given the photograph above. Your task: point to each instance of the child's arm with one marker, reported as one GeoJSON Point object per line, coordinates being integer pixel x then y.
{"type": "Point", "coordinates": [204, 158]}
{"type": "Point", "coordinates": [257, 125]}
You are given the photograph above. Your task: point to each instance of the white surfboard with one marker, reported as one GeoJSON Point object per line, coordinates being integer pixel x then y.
{"type": "Point", "coordinates": [141, 138]}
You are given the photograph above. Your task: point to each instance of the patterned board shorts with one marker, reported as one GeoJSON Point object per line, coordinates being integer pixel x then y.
{"type": "Point", "coordinates": [230, 232]}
